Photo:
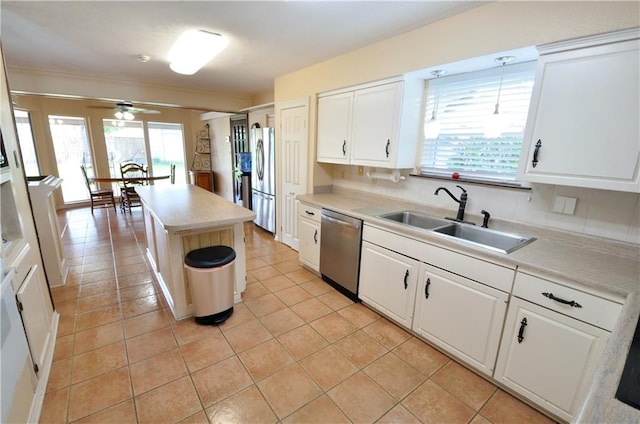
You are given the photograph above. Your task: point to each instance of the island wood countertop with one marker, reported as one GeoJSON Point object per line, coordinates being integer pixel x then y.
{"type": "Point", "coordinates": [183, 207]}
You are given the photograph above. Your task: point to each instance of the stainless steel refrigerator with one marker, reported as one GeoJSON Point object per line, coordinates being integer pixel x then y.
{"type": "Point", "coordinates": [263, 181]}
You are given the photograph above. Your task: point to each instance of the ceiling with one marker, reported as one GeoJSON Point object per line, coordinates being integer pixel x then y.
{"type": "Point", "coordinates": [266, 38]}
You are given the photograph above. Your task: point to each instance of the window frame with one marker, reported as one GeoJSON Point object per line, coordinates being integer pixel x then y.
{"type": "Point", "coordinates": [430, 98]}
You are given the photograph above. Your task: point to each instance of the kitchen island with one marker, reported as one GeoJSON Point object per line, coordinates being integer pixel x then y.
{"type": "Point", "coordinates": [180, 218]}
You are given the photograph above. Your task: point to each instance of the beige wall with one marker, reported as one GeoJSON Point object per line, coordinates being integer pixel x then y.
{"type": "Point", "coordinates": [493, 28]}
{"type": "Point", "coordinates": [41, 107]}
{"type": "Point", "coordinates": [220, 130]}
{"type": "Point", "coordinates": [27, 81]}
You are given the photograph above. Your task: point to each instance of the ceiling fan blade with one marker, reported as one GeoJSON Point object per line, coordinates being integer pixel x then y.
{"type": "Point", "coordinates": [100, 107]}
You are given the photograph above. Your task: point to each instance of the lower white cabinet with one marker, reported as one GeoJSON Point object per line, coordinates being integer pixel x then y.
{"type": "Point", "coordinates": [388, 282]}
{"type": "Point", "coordinates": [460, 316]}
{"type": "Point", "coordinates": [548, 357]}
{"type": "Point", "coordinates": [553, 337]}
{"type": "Point", "coordinates": [309, 237]}
{"type": "Point", "coordinates": [36, 311]}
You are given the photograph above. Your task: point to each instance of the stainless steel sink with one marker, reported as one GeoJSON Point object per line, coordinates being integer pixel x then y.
{"type": "Point", "coordinates": [416, 219]}
{"type": "Point", "coordinates": [485, 237]}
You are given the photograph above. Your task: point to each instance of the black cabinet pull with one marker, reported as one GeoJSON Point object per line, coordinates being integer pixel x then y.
{"type": "Point", "coordinates": [572, 303]}
{"type": "Point", "coordinates": [315, 237]}
{"type": "Point", "coordinates": [344, 147]}
{"type": "Point", "coordinates": [534, 162]}
{"type": "Point", "coordinates": [523, 324]}
{"type": "Point", "coordinates": [309, 213]}
{"type": "Point", "coordinates": [406, 275]}
{"type": "Point", "coordinates": [426, 288]}
{"type": "Point", "coordinates": [386, 149]}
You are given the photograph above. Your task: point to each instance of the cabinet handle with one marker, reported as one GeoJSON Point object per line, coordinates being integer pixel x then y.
{"type": "Point", "coordinates": [15, 158]}
{"type": "Point", "coordinates": [315, 237]}
{"type": "Point", "coordinates": [344, 147]}
{"type": "Point", "coordinates": [386, 149]}
{"type": "Point", "coordinates": [426, 288]}
{"type": "Point", "coordinates": [309, 213]}
{"type": "Point", "coordinates": [534, 162]}
{"type": "Point", "coordinates": [566, 302]}
{"type": "Point", "coordinates": [406, 275]}
{"type": "Point", "coordinates": [523, 324]}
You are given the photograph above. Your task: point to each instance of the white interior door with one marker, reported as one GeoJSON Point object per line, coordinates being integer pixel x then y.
{"type": "Point", "coordinates": [293, 133]}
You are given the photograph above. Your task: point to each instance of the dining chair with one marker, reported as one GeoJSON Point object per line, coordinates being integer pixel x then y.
{"type": "Point", "coordinates": [98, 197]}
{"type": "Point", "coordinates": [128, 196]}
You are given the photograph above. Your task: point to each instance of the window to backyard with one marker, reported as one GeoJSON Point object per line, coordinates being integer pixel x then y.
{"type": "Point", "coordinates": [463, 133]}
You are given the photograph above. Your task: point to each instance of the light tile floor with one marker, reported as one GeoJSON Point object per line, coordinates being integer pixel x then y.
{"type": "Point", "coordinates": [295, 350]}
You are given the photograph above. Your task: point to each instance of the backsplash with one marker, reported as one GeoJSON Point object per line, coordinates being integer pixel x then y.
{"type": "Point", "coordinates": [610, 214]}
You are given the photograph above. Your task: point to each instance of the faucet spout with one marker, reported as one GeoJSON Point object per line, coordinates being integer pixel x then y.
{"type": "Point", "coordinates": [448, 192]}
{"type": "Point", "coordinates": [462, 202]}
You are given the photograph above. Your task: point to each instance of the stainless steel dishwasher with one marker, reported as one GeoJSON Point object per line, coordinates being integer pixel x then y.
{"type": "Point", "coordinates": [340, 237]}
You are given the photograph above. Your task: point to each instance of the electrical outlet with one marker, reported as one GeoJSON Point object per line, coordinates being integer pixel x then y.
{"type": "Point", "coordinates": [564, 205]}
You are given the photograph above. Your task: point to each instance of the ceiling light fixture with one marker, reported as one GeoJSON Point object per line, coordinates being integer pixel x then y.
{"type": "Point", "coordinates": [432, 126]}
{"type": "Point", "coordinates": [124, 114]}
{"type": "Point", "coordinates": [193, 49]}
{"type": "Point", "coordinates": [495, 123]}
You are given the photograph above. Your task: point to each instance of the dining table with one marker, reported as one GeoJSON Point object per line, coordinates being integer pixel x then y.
{"type": "Point", "coordinates": [129, 179]}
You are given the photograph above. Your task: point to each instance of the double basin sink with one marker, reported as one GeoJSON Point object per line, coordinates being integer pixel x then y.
{"type": "Point", "coordinates": [466, 233]}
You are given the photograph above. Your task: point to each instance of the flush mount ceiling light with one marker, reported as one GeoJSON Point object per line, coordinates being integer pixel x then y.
{"type": "Point", "coordinates": [193, 49]}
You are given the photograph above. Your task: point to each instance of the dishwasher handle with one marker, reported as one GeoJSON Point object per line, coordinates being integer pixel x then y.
{"type": "Point", "coordinates": [340, 222]}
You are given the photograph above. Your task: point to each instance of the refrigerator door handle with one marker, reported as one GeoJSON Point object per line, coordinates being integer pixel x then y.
{"type": "Point", "coordinates": [260, 159]}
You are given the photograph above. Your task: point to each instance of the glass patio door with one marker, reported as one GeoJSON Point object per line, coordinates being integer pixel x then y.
{"type": "Point", "coordinates": [71, 148]}
{"type": "Point", "coordinates": [166, 145]}
{"type": "Point", "coordinates": [125, 143]}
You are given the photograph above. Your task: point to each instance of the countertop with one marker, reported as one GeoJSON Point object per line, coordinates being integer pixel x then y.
{"type": "Point", "coordinates": [185, 207]}
{"type": "Point", "coordinates": [610, 268]}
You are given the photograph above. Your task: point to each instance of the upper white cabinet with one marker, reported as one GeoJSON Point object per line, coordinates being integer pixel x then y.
{"type": "Point", "coordinates": [373, 125]}
{"type": "Point", "coordinates": [334, 128]}
{"type": "Point", "coordinates": [582, 128]}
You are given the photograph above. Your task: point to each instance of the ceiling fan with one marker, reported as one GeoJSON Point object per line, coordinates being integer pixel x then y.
{"type": "Point", "coordinates": [125, 110]}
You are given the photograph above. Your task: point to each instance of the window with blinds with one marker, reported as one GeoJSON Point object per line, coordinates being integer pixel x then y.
{"type": "Point", "coordinates": [462, 132]}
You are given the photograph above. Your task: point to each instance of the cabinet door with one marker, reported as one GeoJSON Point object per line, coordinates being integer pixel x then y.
{"type": "Point", "coordinates": [388, 282]}
{"type": "Point", "coordinates": [37, 313]}
{"type": "Point", "coordinates": [334, 128]}
{"type": "Point", "coordinates": [376, 115]}
{"type": "Point", "coordinates": [309, 236]}
{"type": "Point", "coordinates": [548, 357]}
{"type": "Point", "coordinates": [582, 127]}
{"type": "Point", "coordinates": [460, 316]}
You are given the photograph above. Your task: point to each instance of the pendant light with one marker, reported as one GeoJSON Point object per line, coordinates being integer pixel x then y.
{"type": "Point", "coordinates": [432, 126]}
{"type": "Point", "coordinates": [495, 123]}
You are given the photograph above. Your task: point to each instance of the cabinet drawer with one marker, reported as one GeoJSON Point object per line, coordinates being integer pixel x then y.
{"type": "Point", "coordinates": [310, 212]}
{"type": "Point", "coordinates": [592, 309]}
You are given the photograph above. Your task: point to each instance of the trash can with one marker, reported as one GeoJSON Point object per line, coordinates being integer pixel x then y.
{"type": "Point", "coordinates": [211, 279]}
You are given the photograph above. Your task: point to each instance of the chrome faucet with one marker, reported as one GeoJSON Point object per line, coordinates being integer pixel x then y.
{"type": "Point", "coordinates": [462, 203]}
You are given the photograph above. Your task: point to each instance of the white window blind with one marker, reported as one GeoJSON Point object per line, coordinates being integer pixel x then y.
{"type": "Point", "coordinates": [464, 141]}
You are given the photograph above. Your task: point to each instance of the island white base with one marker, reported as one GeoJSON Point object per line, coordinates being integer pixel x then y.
{"type": "Point", "coordinates": [166, 251]}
